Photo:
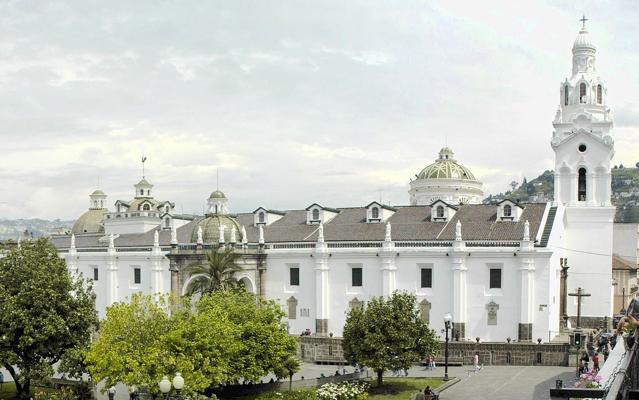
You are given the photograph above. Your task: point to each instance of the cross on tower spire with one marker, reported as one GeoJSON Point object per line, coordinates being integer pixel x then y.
{"type": "Point", "coordinates": [143, 161]}
{"type": "Point", "coordinates": [583, 21]}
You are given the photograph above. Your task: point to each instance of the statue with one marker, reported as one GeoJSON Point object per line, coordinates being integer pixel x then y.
{"type": "Point", "coordinates": [72, 241]}
{"type": "Point", "coordinates": [261, 239]}
{"type": "Point", "coordinates": [156, 239]}
{"type": "Point", "coordinates": [320, 233]}
{"type": "Point", "coordinates": [526, 231]}
{"type": "Point", "coordinates": [387, 237]}
{"type": "Point", "coordinates": [233, 238]}
{"type": "Point", "coordinates": [244, 239]}
{"type": "Point", "coordinates": [458, 233]}
{"type": "Point", "coordinates": [221, 239]}
{"type": "Point", "coordinates": [173, 235]}
{"type": "Point", "coordinates": [111, 241]}
{"type": "Point", "coordinates": [199, 235]}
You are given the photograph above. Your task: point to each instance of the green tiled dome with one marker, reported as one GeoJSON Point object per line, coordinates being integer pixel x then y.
{"type": "Point", "coordinates": [446, 168]}
{"type": "Point", "coordinates": [211, 228]}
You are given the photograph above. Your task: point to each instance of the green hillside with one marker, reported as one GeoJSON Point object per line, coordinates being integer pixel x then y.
{"type": "Point", "coordinates": [625, 192]}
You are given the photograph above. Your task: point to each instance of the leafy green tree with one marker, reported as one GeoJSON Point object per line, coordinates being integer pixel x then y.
{"type": "Point", "coordinates": [225, 337]}
{"type": "Point", "coordinates": [217, 273]}
{"type": "Point", "coordinates": [387, 333]}
{"type": "Point", "coordinates": [287, 369]}
{"type": "Point", "coordinates": [44, 313]}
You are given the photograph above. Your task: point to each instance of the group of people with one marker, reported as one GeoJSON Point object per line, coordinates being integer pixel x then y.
{"type": "Point", "coordinates": [427, 394]}
{"type": "Point", "coordinates": [429, 362]}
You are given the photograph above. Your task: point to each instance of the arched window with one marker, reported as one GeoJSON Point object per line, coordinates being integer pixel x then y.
{"type": "Point", "coordinates": [508, 210]}
{"type": "Point", "coordinates": [440, 211]}
{"type": "Point", "coordinates": [566, 95]}
{"type": "Point", "coordinates": [141, 192]}
{"type": "Point", "coordinates": [216, 208]}
{"type": "Point", "coordinates": [101, 203]}
{"type": "Point", "coordinates": [582, 92]}
{"type": "Point", "coordinates": [315, 214]}
{"type": "Point", "coordinates": [375, 212]}
{"type": "Point", "coordinates": [167, 222]}
{"type": "Point", "coordinates": [581, 185]}
{"type": "Point", "coordinates": [146, 207]}
{"type": "Point", "coordinates": [599, 95]}
{"type": "Point", "coordinates": [261, 217]}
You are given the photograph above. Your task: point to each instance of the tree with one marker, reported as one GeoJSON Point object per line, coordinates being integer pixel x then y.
{"type": "Point", "coordinates": [514, 185]}
{"type": "Point", "coordinates": [44, 312]}
{"type": "Point", "coordinates": [288, 368]}
{"type": "Point", "coordinates": [225, 337]}
{"type": "Point", "coordinates": [387, 333]}
{"type": "Point", "coordinates": [217, 273]}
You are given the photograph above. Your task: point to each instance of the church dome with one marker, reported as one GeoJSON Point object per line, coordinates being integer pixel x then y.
{"type": "Point", "coordinates": [211, 228]}
{"type": "Point", "coordinates": [98, 193]}
{"type": "Point", "coordinates": [583, 42]}
{"type": "Point", "coordinates": [446, 167]}
{"type": "Point", "coordinates": [89, 222]}
{"type": "Point", "coordinates": [217, 195]}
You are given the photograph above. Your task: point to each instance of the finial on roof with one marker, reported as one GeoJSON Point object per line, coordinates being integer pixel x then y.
{"type": "Point", "coordinates": [244, 239]}
{"type": "Point", "coordinates": [72, 241]}
{"type": "Point", "coordinates": [458, 232]}
{"type": "Point", "coordinates": [526, 231]}
{"type": "Point", "coordinates": [221, 239]}
{"type": "Point", "coordinates": [200, 240]}
{"type": "Point", "coordinates": [320, 233]}
{"type": "Point", "coordinates": [143, 161]}
{"type": "Point", "coordinates": [156, 239]}
{"type": "Point", "coordinates": [261, 238]}
{"type": "Point", "coordinates": [111, 241]}
{"type": "Point", "coordinates": [387, 237]}
{"type": "Point", "coordinates": [583, 21]}
{"type": "Point", "coordinates": [233, 238]}
{"type": "Point", "coordinates": [173, 235]}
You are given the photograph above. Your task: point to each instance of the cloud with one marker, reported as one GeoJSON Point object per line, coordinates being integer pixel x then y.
{"type": "Point", "coordinates": [338, 102]}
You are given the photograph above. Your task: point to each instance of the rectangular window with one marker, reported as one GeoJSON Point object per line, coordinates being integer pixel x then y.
{"type": "Point", "coordinates": [495, 278]}
{"type": "Point", "coordinates": [427, 277]}
{"type": "Point", "coordinates": [137, 276]}
{"type": "Point", "coordinates": [294, 276]}
{"type": "Point", "coordinates": [95, 274]}
{"type": "Point", "coordinates": [356, 277]}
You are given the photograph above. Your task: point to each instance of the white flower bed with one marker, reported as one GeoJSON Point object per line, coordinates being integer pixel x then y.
{"type": "Point", "coordinates": [341, 391]}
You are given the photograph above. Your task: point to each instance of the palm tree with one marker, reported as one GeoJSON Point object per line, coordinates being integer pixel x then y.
{"type": "Point", "coordinates": [217, 273]}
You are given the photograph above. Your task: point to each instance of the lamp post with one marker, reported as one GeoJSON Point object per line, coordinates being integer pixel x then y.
{"type": "Point", "coordinates": [447, 319]}
{"type": "Point", "coordinates": [178, 384]}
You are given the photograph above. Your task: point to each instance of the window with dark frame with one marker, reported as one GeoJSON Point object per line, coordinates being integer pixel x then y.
{"type": "Point", "coordinates": [508, 210]}
{"type": "Point", "coordinates": [315, 214]}
{"type": "Point", "coordinates": [440, 211]}
{"type": "Point", "coordinates": [95, 274]}
{"type": "Point", "coordinates": [294, 276]}
{"type": "Point", "coordinates": [375, 212]}
{"type": "Point", "coordinates": [427, 277]}
{"type": "Point", "coordinates": [356, 277]}
{"type": "Point", "coordinates": [137, 276]}
{"type": "Point", "coordinates": [495, 278]}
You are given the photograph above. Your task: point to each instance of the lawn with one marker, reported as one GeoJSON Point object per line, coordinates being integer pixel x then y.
{"type": "Point", "coordinates": [8, 390]}
{"type": "Point", "coordinates": [401, 388]}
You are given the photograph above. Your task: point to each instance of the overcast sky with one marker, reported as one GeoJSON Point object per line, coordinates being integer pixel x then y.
{"type": "Point", "coordinates": [335, 102]}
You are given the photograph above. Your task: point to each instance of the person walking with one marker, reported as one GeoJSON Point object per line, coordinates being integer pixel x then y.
{"type": "Point", "coordinates": [476, 362]}
{"type": "Point", "coordinates": [595, 362]}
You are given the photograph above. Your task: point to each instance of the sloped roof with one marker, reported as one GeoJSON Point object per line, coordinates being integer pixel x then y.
{"type": "Point", "coordinates": [619, 263]}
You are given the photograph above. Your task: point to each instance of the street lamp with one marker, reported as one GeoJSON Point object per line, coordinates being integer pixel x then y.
{"type": "Point", "coordinates": [447, 319]}
{"type": "Point", "coordinates": [178, 384]}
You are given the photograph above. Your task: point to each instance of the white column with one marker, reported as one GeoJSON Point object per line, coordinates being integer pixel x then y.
{"type": "Point", "coordinates": [460, 294]}
{"type": "Point", "coordinates": [112, 273]}
{"type": "Point", "coordinates": [590, 188]}
{"type": "Point", "coordinates": [156, 266]}
{"type": "Point", "coordinates": [557, 187]}
{"type": "Point", "coordinates": [527, 288]}
{"type": "Point", "coordinates": [388, 268]}
{"type": "Point", "coordinates": [72, 257]}
{"type": "Point", "coordinates": [572, 198]}
{"type": "Point", "coordinates": [322, 299]}
{"type": "Point", "coordinates": [608, 187]}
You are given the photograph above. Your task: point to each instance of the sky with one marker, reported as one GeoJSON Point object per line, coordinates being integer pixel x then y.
{"type": "Point", "coordinates": [293, 102]}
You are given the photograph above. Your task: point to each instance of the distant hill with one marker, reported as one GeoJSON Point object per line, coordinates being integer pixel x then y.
{"type": "Point", "coordinates": [23, 228]}
{"type": "Point", "coordinates": [625, 192]}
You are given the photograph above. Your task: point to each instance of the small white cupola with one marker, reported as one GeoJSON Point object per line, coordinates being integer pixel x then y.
{"type": "Point", "coordinates": [377, 212]}
{"type": "Point", "coordinates": [218, 203]}
{"type": "Point", "coordinates": [508, 210]}
{"type": "Point", "coordinates": [262, 216]}
{"type": "Point", "coordinates": [440, 211]}
{"type": "Point", "coordinates": [143, 189]}
{"type": "Point", "coordinates": [316, 214]}
{"type": "Point", "coordinates": [121, 206]}
{"type": "Point", "coordinates": [98, 200]}
{"type": "Point", "coordinates": [166, 207]}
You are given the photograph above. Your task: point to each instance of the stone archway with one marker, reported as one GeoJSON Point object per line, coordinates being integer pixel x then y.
{"type": "Point", "coordinates": [246, 282]}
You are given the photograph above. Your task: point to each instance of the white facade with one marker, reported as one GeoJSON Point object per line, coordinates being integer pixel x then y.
{"type": "Point", "coordinates": [494, 267]}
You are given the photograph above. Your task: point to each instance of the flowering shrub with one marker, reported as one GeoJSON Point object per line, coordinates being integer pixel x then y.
{"type": "Point", "coordinates": [60, 394]}
{"type": "Point", "coordinates": [589, 380]}
{"type": "Point", "coordinates": [305, 394]}
{"type": "Point", "coordinates": [343, 391]}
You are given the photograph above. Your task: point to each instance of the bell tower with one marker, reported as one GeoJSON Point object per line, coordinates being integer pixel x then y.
{"type": "Point", "coordinates": [583, 143]}
{"type": "Point", "coordinates": [583, 136]}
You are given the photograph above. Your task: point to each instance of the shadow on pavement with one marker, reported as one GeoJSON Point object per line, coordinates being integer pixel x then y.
{"type": "Point", "coordinates": [542, 390]}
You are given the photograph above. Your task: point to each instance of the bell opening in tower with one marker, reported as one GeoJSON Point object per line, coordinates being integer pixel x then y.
{"type": "Point", "coordinates": [581, 185]}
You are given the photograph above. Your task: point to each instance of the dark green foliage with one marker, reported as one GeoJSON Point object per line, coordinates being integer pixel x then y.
{"type": "Point", "coordinates": [387, 333]}
{"type": "Point", "coordinates": [44, 313]}
{"type": "Point", "coordinates": [217, 273]}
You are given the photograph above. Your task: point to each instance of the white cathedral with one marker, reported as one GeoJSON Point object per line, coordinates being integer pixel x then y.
{"type": "Point", "coordinates": [497, 268]}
